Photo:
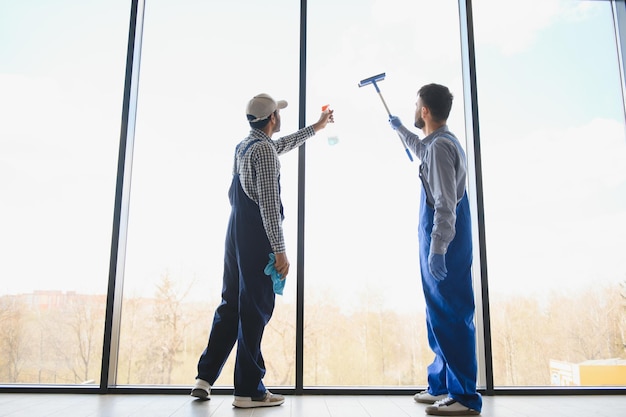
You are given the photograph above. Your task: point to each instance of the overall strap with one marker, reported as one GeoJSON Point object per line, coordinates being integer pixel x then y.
{"type": "Point", "coordinates": [428, 195]}
{"type": "Point", "coordinates": [235, 162]}
{"type": "Point", "coordinates": [456, 142]}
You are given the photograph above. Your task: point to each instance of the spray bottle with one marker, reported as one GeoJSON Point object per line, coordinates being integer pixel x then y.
{"type": "Point", "coordinates": [331, 133]}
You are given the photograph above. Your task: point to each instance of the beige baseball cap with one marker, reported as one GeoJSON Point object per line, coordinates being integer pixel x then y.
{"type": "Point", "coordinates": [261, 106]}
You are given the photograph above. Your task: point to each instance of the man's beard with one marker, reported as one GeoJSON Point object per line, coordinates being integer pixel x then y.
{"type": "Point", "coordinates": [419, 123]}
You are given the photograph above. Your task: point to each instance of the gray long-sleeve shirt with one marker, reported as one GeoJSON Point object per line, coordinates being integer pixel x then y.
{"type": "Point", "coordinates": [443, 172]}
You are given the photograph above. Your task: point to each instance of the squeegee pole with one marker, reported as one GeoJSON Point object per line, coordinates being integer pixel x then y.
{"type": "Point", "coordinates": [406, 148]}
{"type": "Point", "coordinates": [381, 98]}
{"type": "Point", "coordinates": [372, 80]}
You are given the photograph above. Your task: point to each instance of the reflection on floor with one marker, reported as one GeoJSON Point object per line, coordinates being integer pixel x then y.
{"type": "Point", "coordinates": [150, 405]}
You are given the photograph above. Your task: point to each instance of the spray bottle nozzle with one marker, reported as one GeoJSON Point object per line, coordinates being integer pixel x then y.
{"type": "Point", "coordinates": [332, 138]}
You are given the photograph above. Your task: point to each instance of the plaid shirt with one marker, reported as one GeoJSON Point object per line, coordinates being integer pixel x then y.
{"type": "Point", "coordinates": [259, 173]}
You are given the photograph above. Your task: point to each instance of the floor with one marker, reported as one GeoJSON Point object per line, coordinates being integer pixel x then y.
{"type": "Point", "coordinates": [127, 405]}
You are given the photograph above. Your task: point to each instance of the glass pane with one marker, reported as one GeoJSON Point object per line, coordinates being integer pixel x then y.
{"type": "Point", "coordinates": [201, 63]}
{"type": "Point", "coordinates": [364, 308]}
{"type": "Point", "coordinates": [554, 161]}
{"type": "Point", "coordinates": [62, 79]}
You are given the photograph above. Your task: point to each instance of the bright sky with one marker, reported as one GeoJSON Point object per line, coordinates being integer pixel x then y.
{"type": "Point", "coordinates": [552, 125]}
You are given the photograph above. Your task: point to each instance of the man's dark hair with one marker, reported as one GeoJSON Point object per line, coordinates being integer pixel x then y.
{"type": "Point", "coordinates": [261, 123]}
{"type": "Point", "coordinates": [438, 99]}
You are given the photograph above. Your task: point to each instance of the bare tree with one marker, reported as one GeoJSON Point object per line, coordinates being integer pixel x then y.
{"type": "Point", "coordinates": [13, 345]}
{"type": "Point", "coordinates": [169, 325]}
{"type": "Point", "coordinates": [585, 322]}
{"type": "Point", "coordinates": [521, 342]}
{"type": "Point", "coordinates": [279, 342]}
{"type": "Point", "coordinates": [130, 341]}
{"type": "Point", "coordinates": [79, 342]}
{"type": "Point", "coordinates": [620, 321]}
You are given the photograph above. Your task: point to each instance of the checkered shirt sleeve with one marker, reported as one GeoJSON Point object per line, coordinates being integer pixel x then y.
{"type": "Point", "coordinates": [259, 172]}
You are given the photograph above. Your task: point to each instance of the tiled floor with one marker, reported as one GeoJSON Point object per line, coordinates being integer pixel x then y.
{"type": "Point", "coordinates": [127, 405]}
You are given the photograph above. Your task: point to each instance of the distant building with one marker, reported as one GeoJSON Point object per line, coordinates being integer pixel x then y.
{"type": "Point", "coordinates": [50, 300]}
{"type": "Point", "coordinates": [603, 372]}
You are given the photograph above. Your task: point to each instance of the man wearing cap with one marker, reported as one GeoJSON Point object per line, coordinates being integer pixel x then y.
{"type": "Point", "coordinates": [254, 233]}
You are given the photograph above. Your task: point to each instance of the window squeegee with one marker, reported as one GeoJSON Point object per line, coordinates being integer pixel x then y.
{"type": "Point", "coordinates": [373, 80]}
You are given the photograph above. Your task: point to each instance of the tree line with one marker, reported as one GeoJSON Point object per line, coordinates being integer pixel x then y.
{"type": "Point", "coordinates": [162, 337]}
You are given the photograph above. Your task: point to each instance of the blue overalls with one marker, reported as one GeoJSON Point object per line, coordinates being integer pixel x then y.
{"type": "Point", "coordinates": [450, 310]}
{"type": "Point", "coordinates": [247, 297]}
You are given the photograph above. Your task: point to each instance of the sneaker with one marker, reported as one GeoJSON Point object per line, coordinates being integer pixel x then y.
{"type": "Point", "coordinates": [268, 400]}
{"type": "Point", "coordinates": [450, 407]}
{"type": "Point", "coordinates": [425, 397]}
{"type": "Point", "coordinates": [201, 390]}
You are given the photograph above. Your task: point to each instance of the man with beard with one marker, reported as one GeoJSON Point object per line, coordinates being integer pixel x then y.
{"type": "Point", "coordinates": [445, 246]}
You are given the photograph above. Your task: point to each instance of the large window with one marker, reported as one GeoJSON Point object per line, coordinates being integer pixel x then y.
{"type": "Point", "coordinates": [201, 63]}
{"type": "Point", "coordinates": [554, 158]}
{"type": "Point", "coordinates": [552, 166]}
{"type": "Point", "coordinates": [61, 83]}
{"type": "Point", "coordinates": [363, 290]}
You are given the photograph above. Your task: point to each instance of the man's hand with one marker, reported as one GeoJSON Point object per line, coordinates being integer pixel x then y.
{"type": "Point", "coordinates": [282, 264]}
{"type": "Point", "coordinates": [325, 118]}
{"type": "Point", "coordinates": [395, 122]}
{"type": "Point", "coordinates": [437, 266]}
